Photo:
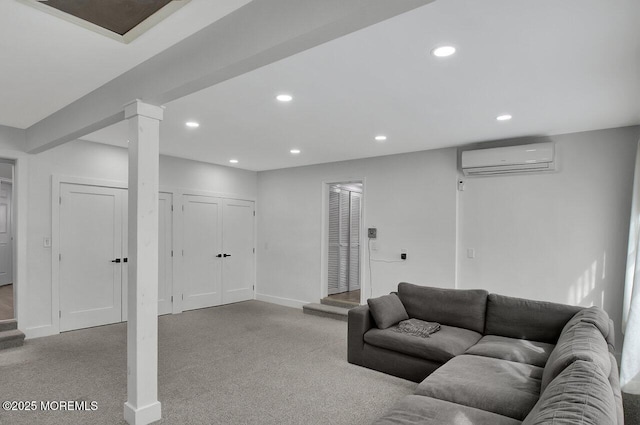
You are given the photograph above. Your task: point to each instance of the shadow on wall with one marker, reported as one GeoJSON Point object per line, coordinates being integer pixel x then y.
{"type": "Point", "coordinates": [588, 289]}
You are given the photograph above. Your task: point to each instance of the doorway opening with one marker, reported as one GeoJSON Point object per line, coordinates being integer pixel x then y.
{"type": "Point", "coordinates": [7, 255]}
{"type": "Point", "coordinates": [343, 259]}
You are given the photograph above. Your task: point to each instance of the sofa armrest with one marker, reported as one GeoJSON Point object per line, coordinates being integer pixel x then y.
{"type": "Point", "coordinates": [359, 322]}
{"type": "Point", "coordinates": [611, 337]}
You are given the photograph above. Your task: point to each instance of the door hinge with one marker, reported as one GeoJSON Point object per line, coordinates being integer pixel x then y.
{"type": "Point", "coordinates": [60, 200]}
{"type": "Point", "coordinates": [254, 287]}
{"type": "Point", "coordinates": [183, 252]}
{"type": "Point", "coordinates": [183, 208]}
{"type": "Point", "coordinates": [171, 298]}
{"type": "Point", "coordinates": [182, 297]}
{"type": "Point", "coordinates": [59, 313]}
{"type": "Point", "coordinates": [254, 213]}
{"type": "Point", "coordinates": [59, 257]}
{"type": "Point", "coordinates": [171, 208]}
{"type": "Point", "coordinates": [172, 252]}
{"type": "Point", "coordinates": [254, 250]}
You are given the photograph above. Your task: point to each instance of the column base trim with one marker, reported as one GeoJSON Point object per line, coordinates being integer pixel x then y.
{"type": "Point", "coordinates": [142, 415]}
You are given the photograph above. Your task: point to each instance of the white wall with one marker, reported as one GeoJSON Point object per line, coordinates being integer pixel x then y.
{"type": "Point", "coordinates": [97, 161]}
{"type": "Point", "coordinates": [558, 237]}
{"type": "Point", "coordinates": [410, 198]}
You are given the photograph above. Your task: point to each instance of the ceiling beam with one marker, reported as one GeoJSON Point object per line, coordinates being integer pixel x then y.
{"type": "Point", "coordinates": [255, 35]}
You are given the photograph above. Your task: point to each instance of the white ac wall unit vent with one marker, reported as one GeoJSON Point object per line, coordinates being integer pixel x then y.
{"type": "Point", "coordinates": [532, 158]}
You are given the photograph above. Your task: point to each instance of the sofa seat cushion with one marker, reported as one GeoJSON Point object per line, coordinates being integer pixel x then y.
{"type": "Point", "coordinates": [582, 341]}
{"type": "Point", "coordinates": [415, 409]}
{"type": "Point", "coordinates": [515, 350]}
{"type": "Point", "coordinates": [580, 395]}
{"type": "Point", "coordinates": [499, 386]}
{"type": "Point", "coordinates": [440, 347]}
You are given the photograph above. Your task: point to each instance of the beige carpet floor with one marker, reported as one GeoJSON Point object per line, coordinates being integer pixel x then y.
{"type": "Point", "coordinates": [245, 363]}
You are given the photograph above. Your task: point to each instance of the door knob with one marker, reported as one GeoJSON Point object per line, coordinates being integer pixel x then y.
{"type": "Point", "coordinates": [226, 255]}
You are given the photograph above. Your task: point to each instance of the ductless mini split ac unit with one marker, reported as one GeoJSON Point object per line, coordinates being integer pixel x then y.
{"type": "Point", "coordinates": [532, 158]}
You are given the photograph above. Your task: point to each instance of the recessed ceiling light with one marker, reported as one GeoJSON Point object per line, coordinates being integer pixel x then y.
{"type": "Point", "coordinates": [284, 97]}
{"type": "Point", "coordinates": [443, 51]}
{"type": "Point", "coordinates": [295, 151]}
{"type": "Point", "coordinates": [505, 117]}
{"type": "Point", "coordinates": [192, 124]}
{"type": "Point", "coordinates": [381, 138]}
{"type": "Point", "coordinates": [233, 161]}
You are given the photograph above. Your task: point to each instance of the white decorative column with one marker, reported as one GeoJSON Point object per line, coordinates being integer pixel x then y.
{"type": "Point", "coordinates": [142, 406]}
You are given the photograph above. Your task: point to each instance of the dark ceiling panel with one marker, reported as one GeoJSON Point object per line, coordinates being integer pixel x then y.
{"type": "Point", "coordinates": [118, 16]}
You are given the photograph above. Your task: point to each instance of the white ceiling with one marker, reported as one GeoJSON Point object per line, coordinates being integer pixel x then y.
{"type": "Point", "coordinates": [557, 67]}
{"type": "Point", "coordinates": [48, 62]}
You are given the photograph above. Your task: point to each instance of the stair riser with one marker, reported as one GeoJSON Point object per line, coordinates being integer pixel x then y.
{"type": "Point", "coordinates": [8, 325]}
{"type": "Point", "coordinates": [338, 303]}
{"type": "Point", "coordinates": [11, 343]}
{"type": "Point", "coordinates": [334, 316]}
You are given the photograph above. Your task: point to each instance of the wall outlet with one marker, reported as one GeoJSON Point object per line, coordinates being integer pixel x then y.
{"type": "Point", "coordinates": [47, 242]}
{"type": "Point", "coordinates": [403, 256]}
{"type": "Point", "coordinates": [372, 232]}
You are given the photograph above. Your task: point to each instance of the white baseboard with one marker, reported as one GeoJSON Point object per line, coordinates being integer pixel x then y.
{"type": "Point", "coordinates": [38, 331]}
{"type": "Point", "coordinates": [287, 302]}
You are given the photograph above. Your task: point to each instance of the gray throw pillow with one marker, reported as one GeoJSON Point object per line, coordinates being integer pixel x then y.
{"type": "Point", "coordinates": [387, 310]}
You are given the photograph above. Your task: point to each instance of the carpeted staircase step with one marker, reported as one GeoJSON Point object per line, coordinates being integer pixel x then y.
{"type": "Point", "coordinates": [323, 310]}
{"type": "Point", "coordinates": [8, 325]}
{"type": "Point", "coordinates": [11, 338]}
{"type": "Point", "coordinates": [339, 303]}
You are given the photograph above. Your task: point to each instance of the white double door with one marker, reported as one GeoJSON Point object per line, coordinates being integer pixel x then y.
{"type": "Point", "coordinates": [218, 251]}
{"type": "Point", "coordinates": [93, 255]}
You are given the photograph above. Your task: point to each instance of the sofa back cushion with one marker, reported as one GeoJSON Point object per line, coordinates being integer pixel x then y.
{"type": "Point", "coordinates": [454, 307]}
{"type": "Point", "coordinates": [580, 395]}
{"type": "Point", "coordinates": [582, 341]}
{"type": "Point", "coordinates": [526, 319]}
{"type": "Point", "coordinates": [387, 310]}
{"type": "Point", "coordinates": [594, 315]}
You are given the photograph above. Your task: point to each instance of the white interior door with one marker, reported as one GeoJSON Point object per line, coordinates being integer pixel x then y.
{"type": "Point", "coordinates": [237, 240]}
{"type": "Point", "coordinates": [90, 244]}
{"type": "Point", "coordinates": [202, 245]}
{"type": "Point", "coordinates": [6, 239]}
{"type": "Point", "coordinates": [165, 263]}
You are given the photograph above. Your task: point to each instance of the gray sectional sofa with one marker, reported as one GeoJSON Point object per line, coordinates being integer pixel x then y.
{"type": "Point", "coordinates": [496, 360]}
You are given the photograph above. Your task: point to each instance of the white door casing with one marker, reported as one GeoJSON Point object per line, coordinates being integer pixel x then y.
{"type": "Point", "coordinates": [237, 241]}
{"type": "Point", "coordinates": [90, 242]}
{"type": "Point", "coordinates": [6, 234]}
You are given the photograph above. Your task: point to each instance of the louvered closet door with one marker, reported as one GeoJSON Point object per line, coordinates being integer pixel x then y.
{"type": "Point", "coordinates": [334, 242]}
{"type": "Point", "coordinates": [339, 234]}
{"type": "Point", "coordinates": [202, 244]}
{"type": "Point", "coordinates": [90, 238]}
